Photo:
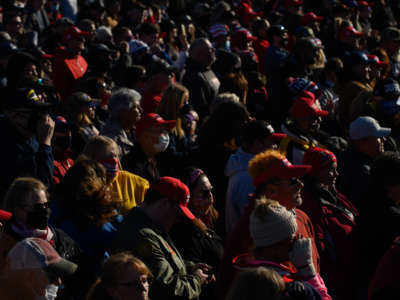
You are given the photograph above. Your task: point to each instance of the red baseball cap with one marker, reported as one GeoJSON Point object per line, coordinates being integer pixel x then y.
{"type": "Point", "coordinates": [176, 190]}
{"type": "Point", "coordinates": [293, 3]}
{"type": "Point", "coordinates": [5, 215]}
{"type": "Point", "coordinates": [282, 169]}
{"type": "Point", "coordinates": [73, 32]}
{"type": "Point", "coordinates": [306, 106]}
{"type": "Point", "coordinates": [318, 158]}
{"type": "Point", "coordinates": [309, 18]}
{"type": "Point", "coordinates": [151, 120]}
{"type": "Point", "coordinates": [373, 59]}
{"type": "Point", "coordinates": [364, 4]}
{"type": "Point", "coordinates": [349, 31]}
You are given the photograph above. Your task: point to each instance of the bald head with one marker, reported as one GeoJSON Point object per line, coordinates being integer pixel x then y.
{"type": "Point", "coordinates": [202, 52]}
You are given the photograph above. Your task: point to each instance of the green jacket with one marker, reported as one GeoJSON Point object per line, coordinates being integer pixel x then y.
{"type": "Point", "coordinates": [139, 234]}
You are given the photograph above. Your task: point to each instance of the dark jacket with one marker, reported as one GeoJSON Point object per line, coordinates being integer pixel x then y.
{"type": "Point", "coordinates": [337, 237]}
{"type": "Point", "coordinates": [354, 172]}
{"type": "Point", "coordinates": [199, 247]}
{"type": "Point", "coordinates": [203, 86]}
{"type": "Point", "coordinates": [23, 157]}
{"type": "Point", "coordinates": [139, 234]}
{"type": "Point", "coordinates": [138, 163]}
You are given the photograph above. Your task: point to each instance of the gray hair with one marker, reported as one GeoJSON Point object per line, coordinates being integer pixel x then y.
{"type": "Point", "coordinates": [122, 98]}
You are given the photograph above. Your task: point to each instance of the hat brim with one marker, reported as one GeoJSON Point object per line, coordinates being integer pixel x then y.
{"type": "Point", "coordinates": [169, 124]}
{"type": "Point", "coordinates": [277, 136]}
{"type": "Point", "coordinates": [321, 113]}
{"type": "Point", "coordinates": [382, 132]}
{"type": "Point", "coordinates": [186, 212]}
{"type": "Point", "coordinates": [63, 268]}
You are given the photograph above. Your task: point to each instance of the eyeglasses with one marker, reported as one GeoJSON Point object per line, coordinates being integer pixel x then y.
{"type": "Point", "coordinates": [137, 283]}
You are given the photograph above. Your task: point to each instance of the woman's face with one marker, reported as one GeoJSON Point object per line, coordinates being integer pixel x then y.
{"type": "Point", "coordinates": [202, 197]}
{"type": "Point", "coordinates": [327, 176]}
{"type": "Point", "coordinates": [132, 286]}
{"type": "Point", "coordinates": [90, 110]}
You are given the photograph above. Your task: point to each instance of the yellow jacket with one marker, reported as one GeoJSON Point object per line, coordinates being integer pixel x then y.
{"type": "Point", "coordinates": [130, 188]}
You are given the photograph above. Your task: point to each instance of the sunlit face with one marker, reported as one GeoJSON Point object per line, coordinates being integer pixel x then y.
{"type": "Point", "coordinates": [132, 286]}
{"type": "Point", "coordinates": [327, 176]}
{"type": "Point", "coordinates": [371, 146]}
{"type": "Point", "coordinates": [202, 197]}
{"type": "Point", "coordinates": [129, 117]}
{"type": "Point", "coordinates": [287, 192]}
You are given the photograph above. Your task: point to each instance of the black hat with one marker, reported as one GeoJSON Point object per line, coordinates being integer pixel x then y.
{"type": "Point", "coordinates": [25, 98]}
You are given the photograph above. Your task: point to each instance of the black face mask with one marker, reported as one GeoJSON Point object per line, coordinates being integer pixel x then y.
{"type": "Point", "coordinates": [39, 218]}
{"type": "Point", "coordinates": [63, 142]}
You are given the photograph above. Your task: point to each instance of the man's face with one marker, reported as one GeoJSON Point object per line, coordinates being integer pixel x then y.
{"type": "Point", "coordinates": [371, 146]}
{"type": "Point", "coordinates": [362, 72]}
{"type": "Point", "coordinates": [206, 53]}
{"type": "Point", "coordinates": [149, 38]}
{"type": "Point", "coordinates": [309, 124]}
{"type": "Point", "coordinates": [286, 192]}
{"type": "Point", "coordinates": [15, 27]}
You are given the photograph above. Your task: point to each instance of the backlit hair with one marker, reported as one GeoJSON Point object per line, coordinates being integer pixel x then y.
{"type": "Point", "coordinates": [19, 190]}
{"type": "Point", "coordinates": [172, 101]}
{"type": "Point", "coordinates": [263, 161]}
{"type": "Point", "coordinates": [96, 144]}
{"type": "Point", "coordinates": [112, 274]}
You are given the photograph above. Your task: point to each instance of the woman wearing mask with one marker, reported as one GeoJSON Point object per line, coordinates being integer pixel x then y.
{"type": "Point", "coordinates": [27, 200]}
{"type": "Point", "coordinates": [128, 187]}
{"type": "Point", "coordinates": [123, 277]}
{"type": "Point", "coordinates": [336, 223]}
{"type": "Point", "coordinates": [196, 239]}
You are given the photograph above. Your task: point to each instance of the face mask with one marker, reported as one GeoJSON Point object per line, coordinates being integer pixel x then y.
{"type": "Point", "coordinates": [51, 292]}
{"type": "Point", "coordinates": [163, 142]}
{"type": "Point", "coordinates": [38, 218]}
{"type": "Point", "coordinates": [63, 142]}
{"type": "Point", "coordinates": [111, 166]}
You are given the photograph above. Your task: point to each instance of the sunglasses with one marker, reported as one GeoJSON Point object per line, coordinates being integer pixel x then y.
{"type": "Point", "coordinates": [206, 193]}
{"type": "Point", "coordinates": [38, 206]}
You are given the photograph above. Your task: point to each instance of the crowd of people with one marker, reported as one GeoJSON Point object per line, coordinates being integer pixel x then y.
{"type": "Point", "coordinates": [199, 149]}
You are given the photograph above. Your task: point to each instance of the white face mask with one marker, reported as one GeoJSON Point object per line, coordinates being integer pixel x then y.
{"type": "Point", "coordinates": [51, 292]}
{"type": "Point", "coordinates": [163, 142]}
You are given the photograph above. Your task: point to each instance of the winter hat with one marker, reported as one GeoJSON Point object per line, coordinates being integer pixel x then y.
{"type": "Point", "coordinates": [271, 223]}
{"type": "Point", "coordinates": [318, 158]}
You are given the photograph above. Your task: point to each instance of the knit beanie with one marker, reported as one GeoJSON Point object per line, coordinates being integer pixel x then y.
{"type": "Point", "coordinates": [318, 158]}
{"type": "Point", "coordinates": [275, 225]}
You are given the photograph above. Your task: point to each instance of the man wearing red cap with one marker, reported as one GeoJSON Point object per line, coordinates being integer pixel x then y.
{"type": "Point", "coordinates": [275, 178]}
{"type": "Point", "coordinates": [152, 138]}
{"type": "Point", "coordinates": [145, 232]}
{"type": "Point", "coordinates": [305, 119]}
{"type": "Point", "coordinates": [69, 65]}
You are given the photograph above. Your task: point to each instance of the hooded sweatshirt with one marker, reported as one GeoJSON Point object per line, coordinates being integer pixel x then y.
{"type": "Point", "coordinates": [239, 187]}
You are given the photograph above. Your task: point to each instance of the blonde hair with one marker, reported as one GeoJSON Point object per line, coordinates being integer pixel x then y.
{"type": "Point", "coordinates": [263, 161]}
{"type": "Point", "coordinates": [257, 284]}
{"type": "Point", "coordinates": [97, 143]}
{"type": "Point", "coordinates": [172, 100]}
{"type": "Point", "coordinates": [19, 190]}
